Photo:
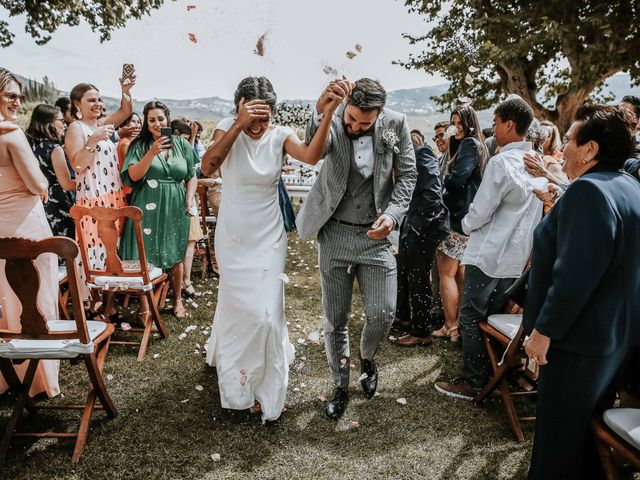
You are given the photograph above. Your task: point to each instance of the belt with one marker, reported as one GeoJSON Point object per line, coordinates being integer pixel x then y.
{"type": "Point", "coordinates": [351, 224]}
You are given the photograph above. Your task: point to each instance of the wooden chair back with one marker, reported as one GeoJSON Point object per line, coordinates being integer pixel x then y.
{"type": "Point", "coordinates": [107, 223]}
{"type": "Point", "coordinates": [204, 208]}
{"type": "Point", "coordinates": [23, 277]}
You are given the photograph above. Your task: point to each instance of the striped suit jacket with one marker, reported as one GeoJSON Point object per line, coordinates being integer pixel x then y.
{"type": "Point", "coordinates": [394, 174]}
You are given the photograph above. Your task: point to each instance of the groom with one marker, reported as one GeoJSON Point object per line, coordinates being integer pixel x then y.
{"type": "Point", "coordinates": [360, 196]}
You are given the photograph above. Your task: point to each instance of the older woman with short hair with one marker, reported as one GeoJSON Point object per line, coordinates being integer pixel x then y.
{"type": "Point", "coordinates": [582, 305]}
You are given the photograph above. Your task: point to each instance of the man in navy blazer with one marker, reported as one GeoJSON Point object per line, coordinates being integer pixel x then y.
{"type": "Point", "coordinates": [423, 228]}
{"type": "Point", "coordinates": [583, 304]}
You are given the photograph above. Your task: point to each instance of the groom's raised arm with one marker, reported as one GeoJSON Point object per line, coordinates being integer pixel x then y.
{"type": "Point", "coordinates": [404, 163]}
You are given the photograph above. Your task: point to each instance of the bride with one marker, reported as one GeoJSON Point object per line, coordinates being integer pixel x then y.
{"type": "Point", "coordinates": [249, 343]}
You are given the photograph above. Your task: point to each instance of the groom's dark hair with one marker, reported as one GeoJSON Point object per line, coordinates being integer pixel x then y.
{"type": "Point", "coordinates": [368, 95]}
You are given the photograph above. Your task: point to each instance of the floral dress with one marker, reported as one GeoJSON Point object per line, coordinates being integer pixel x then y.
{"type": "Point", "coordinates": [60, 202]}
{"type": "Point", "coordinates": [99, 185]}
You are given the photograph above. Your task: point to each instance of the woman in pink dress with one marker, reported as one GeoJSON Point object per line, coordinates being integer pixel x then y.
{"type": "Point", "coordinates": [22, 185]}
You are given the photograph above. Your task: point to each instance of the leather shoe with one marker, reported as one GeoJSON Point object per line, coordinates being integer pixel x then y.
{"type": "Point", "coordinates": [411, 341]}
{"type": "Point", "coordinates": [337, 404]}
{"type": "Point", "coordinates": [401, 324]}
{"type": "Point", "coordinates": [370, 382]}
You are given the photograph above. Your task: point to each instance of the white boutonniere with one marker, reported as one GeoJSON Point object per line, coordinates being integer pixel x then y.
{"type": "Point", "coordinates": [390, 140]}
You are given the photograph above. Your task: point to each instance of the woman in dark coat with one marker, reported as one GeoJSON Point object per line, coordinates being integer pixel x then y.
{"type": "Point", "coordinates": [581, 312]}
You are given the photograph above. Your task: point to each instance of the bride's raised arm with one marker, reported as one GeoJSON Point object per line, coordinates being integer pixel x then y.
{"type": "Point", "coordinates": [327, 105]}
{"type": "Point", "coordinates": [223, 141]}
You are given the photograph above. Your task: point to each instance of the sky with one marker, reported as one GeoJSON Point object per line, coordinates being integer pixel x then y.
{"type": "Point", "coordinates": [303, 36]}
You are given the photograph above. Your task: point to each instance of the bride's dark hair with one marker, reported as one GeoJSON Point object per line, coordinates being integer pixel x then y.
{"type": "Point", "coordinates": [252, 88]}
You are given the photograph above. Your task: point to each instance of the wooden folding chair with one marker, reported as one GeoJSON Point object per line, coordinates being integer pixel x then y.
{"type": "Point", "coordinates": [503, 334]}
{"type": "Point", "coordinates": [616, 433]}
{"type": "Point", "coordinates": [63, 294]}
{"type": "Point", "coordinates": [207, 223]}
{"type": "Point", "coordinates": [40, 339]}
{"type": "Point", "coordinates": [133, 278]}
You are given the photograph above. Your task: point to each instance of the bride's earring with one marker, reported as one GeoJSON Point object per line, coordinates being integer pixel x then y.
{"type": "Point", "coordinates": [79, 115]}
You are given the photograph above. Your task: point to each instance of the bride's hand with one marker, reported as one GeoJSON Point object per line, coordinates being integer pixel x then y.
{"type": "Point", "coordinates": [248, 112]}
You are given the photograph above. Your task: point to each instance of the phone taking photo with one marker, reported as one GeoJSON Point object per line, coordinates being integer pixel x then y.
{"type": "Point", "coordinates": [128, 73]}
{"type": "Point", "coordinates": [167, 132]}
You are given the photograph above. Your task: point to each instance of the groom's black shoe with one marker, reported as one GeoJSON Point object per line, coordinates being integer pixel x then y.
{"type": "Point", "coordinates": [370, 382]}
{"type": "Point", "coordinates": [336, 405]}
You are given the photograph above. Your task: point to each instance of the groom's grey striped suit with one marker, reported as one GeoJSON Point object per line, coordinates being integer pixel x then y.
{"type": "Point", "coordinates": [345, 251]}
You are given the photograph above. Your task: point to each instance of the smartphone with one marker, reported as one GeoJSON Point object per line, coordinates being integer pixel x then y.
{"type": "Point", "coordinates": [167, 132]}
{"type": "Point", "coordinates": [128, 72]}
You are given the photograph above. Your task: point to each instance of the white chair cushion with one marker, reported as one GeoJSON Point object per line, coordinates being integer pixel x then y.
{"type": "Point", "coordinates": [626, 423]}
{"type": "Point", "coordinates": [136, 283]}
{"type": "Point", "coordinates": [506, 323]}
{"type": "Point", "coordinates": [62, 273]}
{"type": "Point", "coordinates": [24, 349]}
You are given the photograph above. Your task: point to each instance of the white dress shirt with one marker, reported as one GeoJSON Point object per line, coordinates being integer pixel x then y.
{"type": "Point", "coordinates": [503, 215]}
{"type": "Point", "coordinates": [362, 149]}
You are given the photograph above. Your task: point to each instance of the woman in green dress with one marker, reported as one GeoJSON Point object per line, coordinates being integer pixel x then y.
{"type": "Point", "coordinates": [157, 169]}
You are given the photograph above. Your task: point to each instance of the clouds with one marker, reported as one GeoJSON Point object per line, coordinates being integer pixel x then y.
{"type": "Point", "coordinates": [302, 37]}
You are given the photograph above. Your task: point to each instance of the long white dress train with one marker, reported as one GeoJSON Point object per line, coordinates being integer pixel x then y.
{"type": "Point", "coordinates": [249, 343]}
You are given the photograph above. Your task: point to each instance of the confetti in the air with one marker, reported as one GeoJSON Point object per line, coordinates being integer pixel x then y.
{"type": "Point", "coordinates": [193, 38]}
{"type": "Point", "coordinates": [329, 70]}
{"type": "Point", "coordinates": [260, 47]}
{"type": "Point", "coordinates": [358, 48]}
{"type": "Point", "coordinates": [190, 7]}
{"type": "Point", "coordinates": [473, 69]}
{"type": "Point", "coordinates": [468, 79]}
{"type": "Point", "coordinates": [351, 55]}
{"type": "Point", "coordinates": [464, 100]}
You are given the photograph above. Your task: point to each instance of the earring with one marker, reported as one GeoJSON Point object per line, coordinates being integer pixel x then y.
{"type": "Point", "coordinates": [79, 115]}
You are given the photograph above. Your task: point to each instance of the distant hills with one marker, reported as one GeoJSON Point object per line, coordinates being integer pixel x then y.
{"type": "Point", "coordinates": [416, 103]}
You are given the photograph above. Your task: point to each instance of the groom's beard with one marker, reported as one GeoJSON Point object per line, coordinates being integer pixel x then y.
{"type": "Point", "coordinates": [354, 136]}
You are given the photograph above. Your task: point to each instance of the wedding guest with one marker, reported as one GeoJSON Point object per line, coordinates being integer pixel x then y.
{"type": "Point", "coordinates": [490, 141]}
{"type": "Point", "coordinates": [582, 305]}
{"type": "Point", "coordinates": [468, 158]}
{"type": "Point", "coordinates": [22, 186]}
{"type": "Point", "coordinates": [551, 146]}
{"type": "Point", "coordinates": [161, 173]}
{"type": "Point", "coordinates": [45, 132]}
{"type": "Point", "coordinates": [425, 225]}
{"type": "Point", "coordinates": [188, 130]}
{"type": "Point", "coordinates": [442, 144]}
{"type": "Point", "coordinates": [417, 138]}
{"type": "Point", "coordinates": [197, 144]}
{"type": "Point", "coordinates": [632, 164]}
{"type": "Point", "coordinates": [93, 157]}
{"type": "Point", "coordinates": [64, 104]}
{"type": "Point", "coordinates": [128, 131]}
{"type": "Point", "coordinates": [500, 225]}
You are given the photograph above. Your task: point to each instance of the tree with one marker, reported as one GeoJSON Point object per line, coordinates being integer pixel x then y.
{"type": "Point", "coordinates": [555, 54]}
{"type": "Point", "coordinates": [44, 18]}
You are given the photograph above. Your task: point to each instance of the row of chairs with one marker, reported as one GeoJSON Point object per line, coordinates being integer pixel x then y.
{"type": "Point", "coordinates": [617, 432]}
{"type": "Point", "coordinates": [77, 339]}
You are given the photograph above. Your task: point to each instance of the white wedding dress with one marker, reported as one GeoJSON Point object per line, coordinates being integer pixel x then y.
{"type": "Point", "coordinates": [249, 343]}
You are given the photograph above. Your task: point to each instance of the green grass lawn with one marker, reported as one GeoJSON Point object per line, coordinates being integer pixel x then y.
{"type": "Point", "coordinates": [168, 427]}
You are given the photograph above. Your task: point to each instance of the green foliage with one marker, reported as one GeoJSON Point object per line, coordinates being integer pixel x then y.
{"type": "Point", "coordinates": [44, 18]}
{"type": "Point", "coordinates": [554, 51]}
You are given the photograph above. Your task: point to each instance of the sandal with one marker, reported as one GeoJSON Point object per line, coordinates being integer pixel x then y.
{"type": "Point", "coordinates": [188, 290]}
{"type": "Point", "coordinates": [179, 311]}
{"type": "Point", "coordinates": [445, 332]}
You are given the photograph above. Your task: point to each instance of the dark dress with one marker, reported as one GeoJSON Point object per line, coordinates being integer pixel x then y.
{"type": "Point", "coordinates": [583, 294]}
{"type": "Point", "coordinates": [60, 202]}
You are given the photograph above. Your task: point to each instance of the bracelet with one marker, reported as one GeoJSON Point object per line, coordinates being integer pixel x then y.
{"type": "Point", "coordinates": [126, 97]}
{"type": "Point", "coordinates": [90, 149]}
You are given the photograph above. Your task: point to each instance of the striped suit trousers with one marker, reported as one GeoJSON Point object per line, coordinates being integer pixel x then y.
{"type": "Point", "coordinates": [344, 253]}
